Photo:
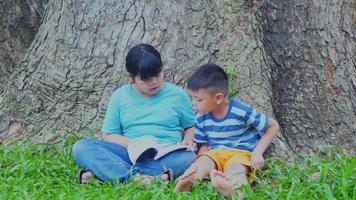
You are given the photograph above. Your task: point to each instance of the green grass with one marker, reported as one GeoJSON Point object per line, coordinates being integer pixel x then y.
{"type": "Point", "coordinates": [232, 76]}
{"type": "Point", "coordinates": [43, 171]}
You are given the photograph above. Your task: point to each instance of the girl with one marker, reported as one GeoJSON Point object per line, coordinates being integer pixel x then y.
{"type": "Point", "coordinates": [146, 106]}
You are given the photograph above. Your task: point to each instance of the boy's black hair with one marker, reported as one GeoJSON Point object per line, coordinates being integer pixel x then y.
{"type": "Point", "coordinates": [210, 77]}
{"type": "Point", "coordinates": [144, 60]}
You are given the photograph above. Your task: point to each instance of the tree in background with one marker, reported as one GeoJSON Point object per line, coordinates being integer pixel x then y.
{"type": "Point", "coordinates": [295, 60]}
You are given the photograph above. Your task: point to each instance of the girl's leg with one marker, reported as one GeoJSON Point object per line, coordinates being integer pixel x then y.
{"type": "Point", "coordinates": [178, 161]}
{"type": "Point", "coordinates": [197, 171]}
{"type": "Point", "coordinates": [108, 161]}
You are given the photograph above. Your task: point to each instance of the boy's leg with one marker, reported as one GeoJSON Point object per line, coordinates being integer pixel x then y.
{"type": "Point", "coordinates": [108, 161]}
{"type": "Point", "coordinates": [197, 171]}
{"type": "Point", "coordinates": [231, 180]}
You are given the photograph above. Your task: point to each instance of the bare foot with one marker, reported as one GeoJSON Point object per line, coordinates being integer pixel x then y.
{"type": "Point", "coordinates": [163, 177]}
{"type": "Point", "coordinates": [221, 183]}
{"type": "Point", "coordinates": [143, 179]}
{"type": "Point", "coordinates": [86, 176]}
{"type": "Point", "coordinates": [187, 180]}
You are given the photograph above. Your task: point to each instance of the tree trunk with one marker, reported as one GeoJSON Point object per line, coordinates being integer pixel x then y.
{"type": "Point", "coordinates": [77, 60]}
{"type": "Point", "coordinates": [19, 24]}
{"type": "Point", "coordinates": [310, 47]}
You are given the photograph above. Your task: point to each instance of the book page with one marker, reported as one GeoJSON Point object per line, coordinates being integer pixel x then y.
{"type": "Point", "coordinates": [139, 146]}
{"type": "Point", "coordinates": [164, 149]}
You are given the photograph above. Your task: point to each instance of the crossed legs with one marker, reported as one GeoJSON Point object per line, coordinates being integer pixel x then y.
{"type": "Point", "coordinates": [110, 162]}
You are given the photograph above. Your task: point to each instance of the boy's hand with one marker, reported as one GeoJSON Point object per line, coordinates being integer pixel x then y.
{"type": "Point", "coordinates": [257, 160]}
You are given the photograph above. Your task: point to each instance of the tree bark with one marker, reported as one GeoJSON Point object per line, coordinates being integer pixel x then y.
{"type": "Point", "coordinates": [19, 24]}
{"type": "Point", "coordinates": [310, 47]}
{"type": "Point", "coordinates": [77, 60]}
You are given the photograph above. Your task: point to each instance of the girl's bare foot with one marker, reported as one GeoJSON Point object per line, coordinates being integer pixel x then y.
{"type": "Point", "coordinates": [143, 179]}
{"type": "Point", "coordinates": [86, 176]}
{"type": "Point", "coordinates": [187, 180]}
{"type": "Point", "coordinates": [164, 178]}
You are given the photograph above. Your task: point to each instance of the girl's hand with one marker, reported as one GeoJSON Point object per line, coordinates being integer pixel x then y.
{"type": "Point", "coordinates": [192, 146]}
{"type": "Point", "coordinates": [188, 139]}
{"type": "Point", "coordinates": [257, 160]}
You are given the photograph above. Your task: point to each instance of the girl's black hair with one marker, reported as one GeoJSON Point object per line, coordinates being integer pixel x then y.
{"type": "Point", "coordinates": [144, 60]}
{"type": "Point", "coordinates": [210, 77]}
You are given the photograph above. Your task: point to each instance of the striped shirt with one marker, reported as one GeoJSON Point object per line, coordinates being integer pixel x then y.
{"type": "Point", "coordinates": [241, 128]}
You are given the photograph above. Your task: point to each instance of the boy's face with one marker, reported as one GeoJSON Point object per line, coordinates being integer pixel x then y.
{"type": "Point", "coordinates": [203, 101]}
{"type": "Point", "coordinates": [149, 87]}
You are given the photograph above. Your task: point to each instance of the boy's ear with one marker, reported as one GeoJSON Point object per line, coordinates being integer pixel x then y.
{"type": "Point", "coordinates": [219, 97]}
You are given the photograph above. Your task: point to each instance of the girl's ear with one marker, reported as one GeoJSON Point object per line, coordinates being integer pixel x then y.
{"type": "Point", "coordinates": [130, 78]}
{"type": "Point", "coordinates": [219, 97]}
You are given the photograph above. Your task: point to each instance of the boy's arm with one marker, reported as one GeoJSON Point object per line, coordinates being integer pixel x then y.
{"type": "Point", "coordinates": [257, 160]}
{"type": "Point", "coordinates": [203, 148]}
{"type": "Point", "coordinates": [116, 138]}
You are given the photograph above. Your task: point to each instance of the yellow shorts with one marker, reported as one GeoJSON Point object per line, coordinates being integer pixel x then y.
{"type": "Point", "coordinates": [222, 157]}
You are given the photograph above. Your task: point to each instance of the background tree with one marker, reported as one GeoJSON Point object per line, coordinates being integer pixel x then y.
{"type": "Point", "coordinates": [294, 60]}
{"type": "Point", "coordinates": [19, 22]}
{"type": "Point", "coordinates": [312, 56]}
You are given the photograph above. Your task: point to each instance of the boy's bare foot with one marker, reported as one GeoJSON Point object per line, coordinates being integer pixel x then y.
{"type": "Point", "coordinates": [221, 183]}
{"type": "Point", "coordinates": [86, 176]}
{"type": "Point", "coordinates": [187, 180]}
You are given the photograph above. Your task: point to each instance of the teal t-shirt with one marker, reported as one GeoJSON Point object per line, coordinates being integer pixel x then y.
{"type": "Point", "coordinates": [163, 115]}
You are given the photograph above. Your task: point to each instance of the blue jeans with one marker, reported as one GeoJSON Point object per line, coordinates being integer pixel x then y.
{"type": "Point", "coordinates": [110, 162]}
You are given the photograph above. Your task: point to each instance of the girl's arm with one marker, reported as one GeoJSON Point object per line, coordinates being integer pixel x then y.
{"type": "Point", "coordinates": [116, 138]}
{"type": "Point", "coordinates": [188, 136]}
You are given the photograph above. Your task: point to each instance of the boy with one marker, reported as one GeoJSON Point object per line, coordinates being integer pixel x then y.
{"type": "Point", "coordinates": [232, 135]}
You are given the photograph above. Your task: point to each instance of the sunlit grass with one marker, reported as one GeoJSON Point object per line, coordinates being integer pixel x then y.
{"type": "Point", "coordinates": [43, 171]}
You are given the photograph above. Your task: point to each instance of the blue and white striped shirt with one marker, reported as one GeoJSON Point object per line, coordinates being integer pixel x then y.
{"type": "Point", "coordinates": [241, 128]}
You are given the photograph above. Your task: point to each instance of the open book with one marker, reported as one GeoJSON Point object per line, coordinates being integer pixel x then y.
{"type": "Point", "coordinates": [145, 147]}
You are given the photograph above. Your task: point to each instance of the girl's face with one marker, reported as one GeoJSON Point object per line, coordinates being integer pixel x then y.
{"type": "Point", "coordinates": [148, 88]}
{"type": "Point", "coordinates": [204, 102]}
